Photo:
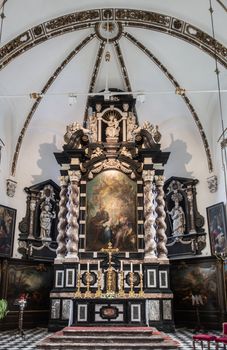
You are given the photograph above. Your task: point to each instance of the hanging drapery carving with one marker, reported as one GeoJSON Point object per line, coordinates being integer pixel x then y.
{"type": "Point", "coordinates": [62, 223]}
{"type": "Point", "coordinates": [72, 217]}
{"type": "Point", "coordinates": [149, 210]}
{"type": "Point", "coordinates": [160, 220]}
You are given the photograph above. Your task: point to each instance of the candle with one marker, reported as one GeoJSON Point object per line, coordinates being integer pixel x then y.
{"type": "Point", "coordinates": [121, 265]}
{"type": "Point", "coordinates": [88, 267]}
{"type": "Point", "coordinates": [131, 267]}
{"type": "Point", "coordinates": [141, 268]}
{"type": "Point", "coordinates": [78, 268]}
{"type": "Point", "coordinates": [98, 265]}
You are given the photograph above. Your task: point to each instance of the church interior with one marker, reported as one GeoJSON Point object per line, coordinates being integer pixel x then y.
{"type": "Point", "coordinates": [113, 174]}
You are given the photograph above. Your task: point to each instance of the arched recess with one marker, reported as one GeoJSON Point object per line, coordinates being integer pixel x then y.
{"type": "Point", "coordinates": [128, 17]}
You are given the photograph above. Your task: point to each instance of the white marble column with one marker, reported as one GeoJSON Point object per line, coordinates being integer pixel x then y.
{"type": "Point", "coordinates": [32, 206]}
{"type": "Point", "coordinates": [160, 220]}
{"type": "Point", "coordinates": [62, 218]}
{"type": "Point", "coordinates": [149, 215]}
{"type": "Point", "coordinates": [189, 192]}
{"type": "Point", "coordinates": [73, 216]}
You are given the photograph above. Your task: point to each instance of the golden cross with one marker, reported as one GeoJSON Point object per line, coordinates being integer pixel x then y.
{"type": "Point", "coordinates": [110, 251]}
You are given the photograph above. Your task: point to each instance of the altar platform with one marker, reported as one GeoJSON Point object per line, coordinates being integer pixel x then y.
{"type": "Point", "coordinates": [109, 338]}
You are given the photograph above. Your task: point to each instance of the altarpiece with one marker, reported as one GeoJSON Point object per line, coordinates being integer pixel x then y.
{"type": "Point", "coordinates": [111, 263]}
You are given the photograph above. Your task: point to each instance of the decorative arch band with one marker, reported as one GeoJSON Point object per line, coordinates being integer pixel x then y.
{"type": "Point", "coordinates": [129, 17]}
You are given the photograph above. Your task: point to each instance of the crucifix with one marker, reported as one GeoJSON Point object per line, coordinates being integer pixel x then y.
{"type": "Point", "coordinates": [110, 251]}
{"type": "Point", "coordinates": [110, 273]}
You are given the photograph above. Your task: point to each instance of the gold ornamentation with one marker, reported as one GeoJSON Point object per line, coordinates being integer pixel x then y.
{"type": "Point", "coordinates": [88, 293]}
{"type": "Point", "coordinates": [141, 292]}
{"type": "Point", "coordinates": [131, 294]}
{"type": "Point", "coordinates": [98, 293]}
{"type": "Point", "coordinates": [180, 91]}
{"type": "Point", "coordinates": [110, 270]}
{"type": "Point", "coordinates": [121, 293]}
{"type": "Point", "coordinates": [78, 286]}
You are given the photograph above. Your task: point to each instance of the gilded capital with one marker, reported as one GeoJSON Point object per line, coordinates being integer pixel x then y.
{"type": "Point", "coordinates": [74, 175]}
{"type": "Point", "coordinates": [63, 180]}
{"type": "Point", "coordinates": [159, 180]}
{"type": "Point", "coordinates": [148, 175]}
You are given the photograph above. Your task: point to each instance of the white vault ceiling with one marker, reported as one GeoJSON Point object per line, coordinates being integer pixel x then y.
{"type": "Point", "coordinates": [190, 66]}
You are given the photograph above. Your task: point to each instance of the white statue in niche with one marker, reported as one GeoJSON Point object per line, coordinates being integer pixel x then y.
{"type": "Point", "coordinates": [113, 129]}
{"type": "Point", "coordinates": [46, 218]}
{"type": "Point", "coordinates": [178, 217]}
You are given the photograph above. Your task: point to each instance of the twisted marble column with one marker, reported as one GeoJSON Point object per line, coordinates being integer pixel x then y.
{"type": "Point", "coordinates": [160, 220]}
{"type": "Point", "coordinates": [149, 215]}
{"type": "Point", "coordinates": [62, 219]}
{"type": "Point", "coordinates": [73, 216]}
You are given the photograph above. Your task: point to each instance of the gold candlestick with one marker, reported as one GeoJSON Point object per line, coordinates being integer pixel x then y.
{"type": "Point", "coordinates": [121, 292]}
{"type": "Point", "coordinates": [98, 293]}
{"type": "Point", "coordinates": [131, 293]}
{"type": "Point", "coordinates": [78, 285]}
{"type": "Point", "coordinates": [141, 292]}
{"type": "Point", "coordinates": [88, 294]}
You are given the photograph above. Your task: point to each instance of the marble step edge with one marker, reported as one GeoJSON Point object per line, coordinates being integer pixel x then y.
{"type": "Point", "coordinates": [60, 346]}
{"type": "Point", "coordinates": [107, 340]}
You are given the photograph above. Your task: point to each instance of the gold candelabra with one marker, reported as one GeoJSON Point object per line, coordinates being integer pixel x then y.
{"type": "Point", "coordinates": [121, 292]}
{"type": "Point", "coordinates": [78, 286]}
{"type": "Point", "coordinates": [98, 293]}
{"type": "Point", "coordinates": [141, 292]}
{"type": "Point", "coordinates": [131, 293]}
{"type": "Point", "coordinates": [88, 293]}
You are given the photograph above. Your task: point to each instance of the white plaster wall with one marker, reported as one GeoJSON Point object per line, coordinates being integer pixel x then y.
{"type": "Point", "coordinates": [215, 123]}
{"type": "Point", "coordinates": [6, 151]}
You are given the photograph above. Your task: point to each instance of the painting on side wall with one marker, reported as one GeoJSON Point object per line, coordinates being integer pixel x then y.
{"type": "Point", "coordinates": [195, 284]}
{"type": "Point", "coordinates": [111, 212]}
{"type": "Point", "coordinates": [31, 280]}
{"type": "Point", "coordinates": [217, 228]}
{"type": "Point", "coordinates": [225, 281]}
{"type": "Point", "coordinates": [7, 227]}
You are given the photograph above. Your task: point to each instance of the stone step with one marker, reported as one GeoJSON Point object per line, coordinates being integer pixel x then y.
{"type": "Point", "coordinates": [103, 346]}
{"type": "Point", "coordinates": [108, 330]}
{"type": "Point", "coordinates": [108, 338]}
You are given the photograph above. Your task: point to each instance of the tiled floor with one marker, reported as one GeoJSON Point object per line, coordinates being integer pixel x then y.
{"type": "Point", "coordinates": [11, 340]}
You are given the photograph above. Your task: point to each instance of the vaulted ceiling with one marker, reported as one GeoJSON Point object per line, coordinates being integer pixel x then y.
{"type": "Point", "coordinates": [53, 48]}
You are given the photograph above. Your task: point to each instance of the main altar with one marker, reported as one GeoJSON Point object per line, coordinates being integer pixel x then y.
{"type": "Point", "coordinates": [111, 265]}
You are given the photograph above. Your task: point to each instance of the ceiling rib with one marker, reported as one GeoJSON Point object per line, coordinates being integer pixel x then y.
{"type": "Point", "coordinates": [176, 85]}
{"type": "Point", "coordinates": [94, 75]}
{"type": "Point", "coordinates": [49, 82]}
{"type": "Point", "coordinates": [129, 17]}
{"type": "Point", "coordinates": [122, 65]}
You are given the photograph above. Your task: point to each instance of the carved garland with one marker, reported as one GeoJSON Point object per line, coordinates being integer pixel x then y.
{"type": "Point", "coordinates": [111, 164]}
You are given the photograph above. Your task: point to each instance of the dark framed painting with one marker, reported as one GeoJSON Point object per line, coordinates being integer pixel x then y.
{"type": "Point", "coordinates": [7, 227]}
{"type": "Point", "coordinates": [33, 279]}
{"type": "Point", "coordinates": [111, 212]}
{"type": "Point", "coordinates": [195, 283]}
{"type": "Point", "coordinates": [225, 281]}
{"type": "Point", "coordinates": [216, 218]}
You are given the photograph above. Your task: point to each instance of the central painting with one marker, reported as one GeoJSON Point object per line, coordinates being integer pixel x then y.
{"type": "Point", "coordinates": [111, 212]}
